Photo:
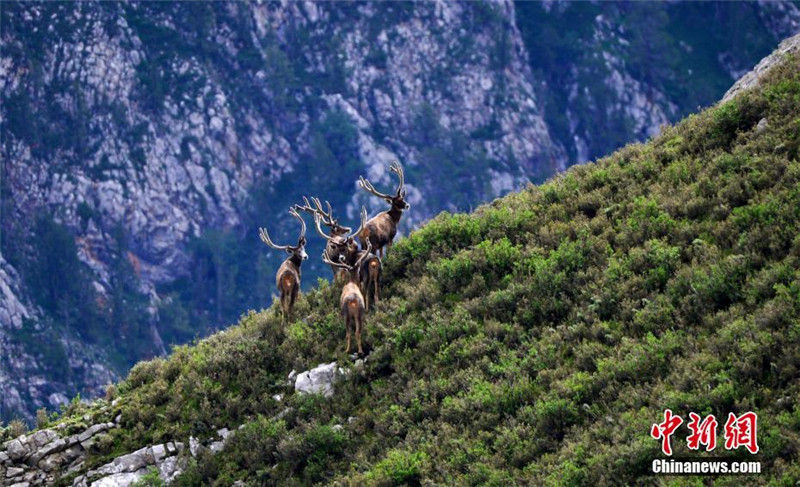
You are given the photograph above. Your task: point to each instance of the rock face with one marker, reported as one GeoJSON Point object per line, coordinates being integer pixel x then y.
{"type": "Point", "coordinates": [613, 72]}
{"type": "Point", "coordinates": [143, 143]}
{"type": "Point", "coordinates": [787, 47]}
{"type": "Point", "coordinates": [46, 456]}
{"type": "Point", "coordinates": [42, 457]}
{"type": "Point", "coordinates": [127, 469]}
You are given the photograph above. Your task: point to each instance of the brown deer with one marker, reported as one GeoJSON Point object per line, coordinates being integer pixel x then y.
{"type": "Point", "coordinates": [351, 300]}
{"type": "Point", "coordinates": [341, 245]}
{"type": "Point", "coordinates": [370, 276]}
{"type": "Point", "coordinates": [381, 228]}
{"type": "Point", "coordinates": [287, 278]}
{"type": "Point", "coordinates": [327, 219]}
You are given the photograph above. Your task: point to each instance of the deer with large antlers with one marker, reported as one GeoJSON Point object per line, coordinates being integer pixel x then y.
{"type": "Point", "coordinates": [343, 244]}
{"type": "Point", "coordinates": [381, 229]}
{"type": "Point", "coordinates": [315, 208]}
{"type": "Point", "coordinates": [287, 278]}
{"type": "Point", "coordinates": [351, 300]}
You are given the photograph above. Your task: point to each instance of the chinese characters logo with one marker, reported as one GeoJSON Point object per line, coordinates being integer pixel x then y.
{"type": "Point", "coordinates": [738, 430]}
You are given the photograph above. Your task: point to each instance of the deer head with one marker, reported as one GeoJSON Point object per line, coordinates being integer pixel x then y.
{"type": "Point", "coordinates": [398, 200]}
{"type": "Point", "coordinates": [354, 270]}
{"type": "Point", "coordinates": [343, 244]}
{"type": "Point", "coordinates": [296, 252]}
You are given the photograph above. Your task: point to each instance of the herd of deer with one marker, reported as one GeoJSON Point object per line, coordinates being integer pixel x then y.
{"type": "Point", "coordinates": [359, 269]}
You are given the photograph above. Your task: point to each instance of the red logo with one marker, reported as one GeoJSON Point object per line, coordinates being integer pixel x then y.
{"type": "Point", "coordinates": [703, 433]}
{"type": "Point", "coordinates": [739, 431]}
{"type": "Point", "coordinates": [664, 430]}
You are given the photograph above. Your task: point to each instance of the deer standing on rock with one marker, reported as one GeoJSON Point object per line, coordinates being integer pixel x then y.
{"type": "Point", "coordinates": [351, 300]}
{"type": "Point", "coordinates": [287, 278]}
{"type": "Point", "coordinates": [381, 229]}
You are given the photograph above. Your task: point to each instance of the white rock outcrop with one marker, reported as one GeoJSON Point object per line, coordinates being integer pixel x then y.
{"type": "Point", "coordinates": [319, 380]}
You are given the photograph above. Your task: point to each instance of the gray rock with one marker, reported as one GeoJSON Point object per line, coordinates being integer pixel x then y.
{"type": "Point", "coordinates": [14, 472]}
{"type": "Point", "coordinates": [92, 430]}
{"type": "Point", "coordinates": [123, 479]}
{"type": "Point", "coordinates": [170, 468]}
{"type": "Point", "coordinates": [42, 437]}
{"type": "Point", "coordinates": [15, 449]}
{"type": "Point", "coordinates": [216, 446]}
{"type": "Point", "coordinates": [194, 446]}
{"type": "Point", "coordinates": [159, 452]}
{"type": "Point", "coordinates": [318, 380]}
{"type": "Point", "coordinates": [48, 464]}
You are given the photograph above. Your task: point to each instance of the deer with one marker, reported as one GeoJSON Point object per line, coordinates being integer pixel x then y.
{"type": "Point", "coordinates": [343, 244]}
{"type": "Point", "coordinates": [370, 276]}
{"type": "Point", "coordinates": [333, 246]}
{"type": "Point", "coordinates": [287, 279]}
{"type": "Point", "coordinates": [381, 229]}
{"type": "Point", "coordinates": [351, 300]}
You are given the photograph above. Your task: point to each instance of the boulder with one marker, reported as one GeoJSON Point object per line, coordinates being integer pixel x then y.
{"type": "Point", "coordinates": [16, 449]}
{"type": "Point", "coordinates": [318, 380]}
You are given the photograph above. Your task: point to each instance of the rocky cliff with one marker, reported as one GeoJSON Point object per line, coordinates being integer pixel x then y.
{"type": "Point", "coordinates": [143, 143]}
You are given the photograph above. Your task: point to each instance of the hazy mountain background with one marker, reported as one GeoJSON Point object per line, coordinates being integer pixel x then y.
{"type": "Point", "coordinates": [143, 143]}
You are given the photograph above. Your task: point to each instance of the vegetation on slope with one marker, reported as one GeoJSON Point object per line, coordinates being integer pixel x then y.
{"type": "Point", "coordinates": [536, 340]}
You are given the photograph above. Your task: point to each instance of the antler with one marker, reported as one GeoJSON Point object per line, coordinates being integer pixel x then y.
{"type": "Point", "coordinates": [363, 223]}
{"type": "Point", "coordinates": [365, 256]}
{"type": "Point", "coordinates": [340, 264]}
{"type": "Point", "coordinates": [262, 232]}
{"type": "Point", "coordinates": [294, 213]}
{"type": "Point", "coordinates": [327, 218]}
{"type": "Point", "coordinates": [317, 219]}
{"type": "Point", "coordinates": [366, 185]}
{"type": "Point", "coordinates": [396, 168]}
{"type": "Point", "coordinates": [306, 207]}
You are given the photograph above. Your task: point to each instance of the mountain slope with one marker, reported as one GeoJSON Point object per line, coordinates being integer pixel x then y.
{"type": "Point", "coordinates": [534, 341]}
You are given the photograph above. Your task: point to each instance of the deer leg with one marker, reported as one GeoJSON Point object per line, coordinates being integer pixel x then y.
{"type": "Point", "coordinates": [283, 307]}
{"type": "Point", "coordinates": [292, 300]}
{"type": "Point", "coordinates": [347, 336]}
{"type": "Point", "coordinates": [377, 291]}
{"type": "Point", "coordinates": [359, 320]}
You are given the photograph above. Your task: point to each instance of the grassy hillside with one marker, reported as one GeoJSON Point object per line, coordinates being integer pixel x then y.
{"type": "Point", "coordinates": [536, 340]}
